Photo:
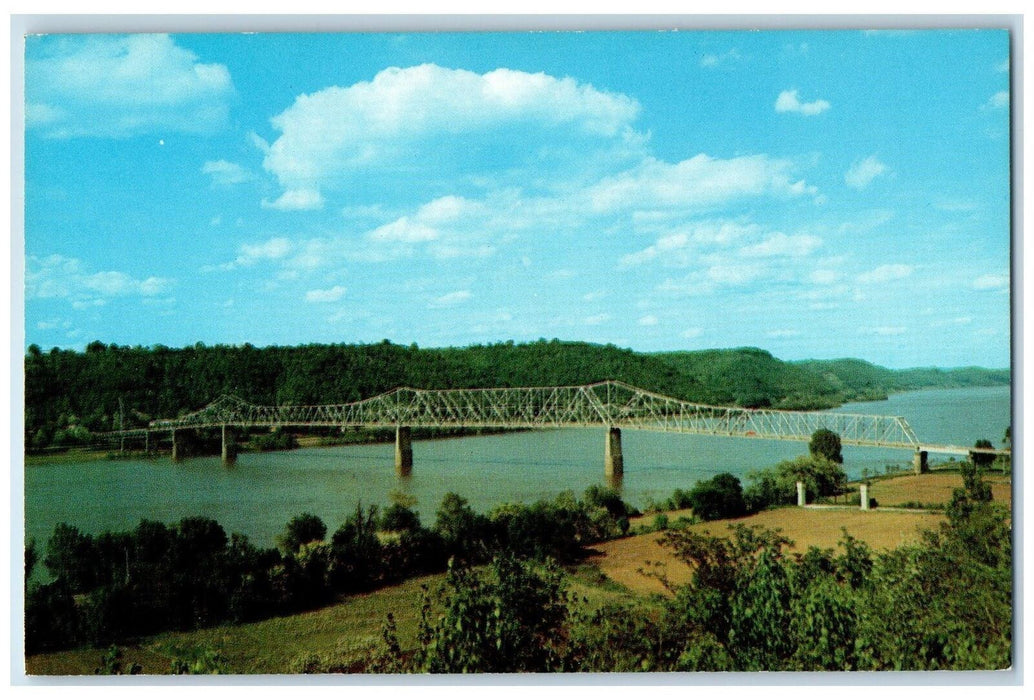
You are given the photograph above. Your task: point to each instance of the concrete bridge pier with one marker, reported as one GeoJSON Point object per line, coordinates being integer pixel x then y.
{"type": "Point", "coordinates": [919, 464]}
{"type": "Point", "coordinates": [403, 450]}
{"type": "Point", "coordinates": [802, 498]}
{"type": "Point", "coordinates": [613, 460]}
{"type": "Point", "coordinates": [229, 452]}
{"type": "Point", "coordinates": [863, 496]}
{"type": "Point", "coordinates": [177, 449]}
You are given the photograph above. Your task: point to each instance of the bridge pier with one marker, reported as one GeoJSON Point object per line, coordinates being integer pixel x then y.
{"type": "Point", "coordinates": [863, 496]}
{"type": "Point", "coordinates": [919, 464]}
{"type": "Point", "coordinates": [613, 460]}
{"type": "Point", "coordinates": [229, 452]}
{"type": "Point", "coordinates": [176, 448]}
{"type": "Point", "coordinates": [403, 450]}
{"type": "Point", "coordinates": [802, 498]}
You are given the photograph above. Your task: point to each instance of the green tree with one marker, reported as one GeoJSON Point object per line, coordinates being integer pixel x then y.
{"type": "Point", "coordinates": [398, 517]}
{"type": "Point", "coordinates": [826, 444]}
{"type": "Point", "coordinates": [71, 558]}
{"type": "Point", "coordinates": [355, 558]}
{"type": "Point", "coordinates": [302, 529]}
{"type": "Point", "coordinates": [718, 497]}
{"type": "Point", "coordinates": [821, 476]}
{"type": "Point", "coordinates": [462, 530]}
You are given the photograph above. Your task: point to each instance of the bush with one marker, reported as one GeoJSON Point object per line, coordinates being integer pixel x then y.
{"type": "Point", "coordinates": [302, 529]}
{"type": "Point", "coordinates": [397, 518]}
{"type": "Point", "coordinates": [512, 617]}
{"type": "Point", "coordinates": [720, 497]}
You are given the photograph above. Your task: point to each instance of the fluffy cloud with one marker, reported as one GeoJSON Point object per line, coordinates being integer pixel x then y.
{"type": "Point", "coordinates": [119, 86]}
{"type": "Point", "coordinates": [253, 253]}
{"type": "Point", "coordinates": [864, 171]}
{"type": "Point", "coordinates": [340, 129]}
{"type": "Point", "coordinates": [789, 102]}
{"type": "Point", "coordinates": [885, 273]}
{"type": "Point", "coordinates": [58, 277]}
{"type": "Point", "coordinates": [225, 173]}
{"type": "Point", "coordinates": [697, 182]}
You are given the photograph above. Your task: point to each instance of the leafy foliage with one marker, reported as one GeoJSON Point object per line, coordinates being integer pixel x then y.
{"type": "Point", "coordinates": [302, 529]}
{"type": "Point", "coordinates": [719, 497]}
{"type": "Point", "coordinates": [511, 617]}
{"type": "Point", "coordinates": [826, 444]}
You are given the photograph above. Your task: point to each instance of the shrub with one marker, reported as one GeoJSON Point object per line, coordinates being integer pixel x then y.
{"type": "Point", "coordinates": [509, 618]}
{"type": "Point", "coordinates": [719, 497]}
{"type": "Point", "coordinates": [302, 529]}
{"type": "Point", "coordinates": [397, 518]}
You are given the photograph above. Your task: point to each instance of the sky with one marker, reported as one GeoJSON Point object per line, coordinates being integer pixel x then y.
{"type": "Point", "coordinates": [818, 194]}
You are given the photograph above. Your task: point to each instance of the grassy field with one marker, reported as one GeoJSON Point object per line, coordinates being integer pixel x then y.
{"type": "Point", "coordinates": [342, 634]}
{"type": "Point", "coordinates": [933, 489]}
{"type": "Point", "coordinates": [626, 560]}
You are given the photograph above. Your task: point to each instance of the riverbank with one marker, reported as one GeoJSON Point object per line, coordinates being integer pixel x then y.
{"type": "Point", "coordinates": [343, 636]}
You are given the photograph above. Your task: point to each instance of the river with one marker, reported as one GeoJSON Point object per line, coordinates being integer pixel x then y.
{"type": "Point", "coordinates": [262, 491]}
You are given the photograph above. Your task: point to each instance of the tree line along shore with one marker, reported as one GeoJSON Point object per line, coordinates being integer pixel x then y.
{"type": "Point", "coordinates": [72, 395]}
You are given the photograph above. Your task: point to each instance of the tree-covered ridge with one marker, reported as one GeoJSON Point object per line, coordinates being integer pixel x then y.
{"type": "Point", "coordinates": [68, 393]}
{"type": "Point", "coordinates": [858, 379]}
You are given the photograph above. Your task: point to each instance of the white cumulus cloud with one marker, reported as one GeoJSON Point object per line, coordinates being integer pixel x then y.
{"type": "Point", "coordinates": [788, 101]}
{"type": "Point", "coordinates": [700, 181]}
{"type": "Point", "coordinates": [119, 86]}
{"type": "Point", "coordinates": [340, 129]}
{"type": "Point", "coordinates": [60, 277]}
{"type": "Point", "coordinates": [864, 171]}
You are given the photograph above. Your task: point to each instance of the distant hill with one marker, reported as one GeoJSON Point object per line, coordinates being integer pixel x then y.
{"type": "Point", "coordinates": [858, 380]}
{"type": "Point", "coordinates": [68, 393]}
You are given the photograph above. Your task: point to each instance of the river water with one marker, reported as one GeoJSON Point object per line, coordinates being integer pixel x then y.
{"type": "Point", "coordinates": [262, 491]}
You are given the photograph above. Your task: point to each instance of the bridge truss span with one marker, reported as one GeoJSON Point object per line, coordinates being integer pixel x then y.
{"type": "Point", "coordinates": [609, 404]}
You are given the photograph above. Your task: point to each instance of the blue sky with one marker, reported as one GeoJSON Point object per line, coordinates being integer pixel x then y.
{"type": "Point", "coordinates": [817, 194]}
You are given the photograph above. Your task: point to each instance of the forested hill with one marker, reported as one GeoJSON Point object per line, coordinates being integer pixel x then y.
{"type": "Point", "coordinates": [69, 392]}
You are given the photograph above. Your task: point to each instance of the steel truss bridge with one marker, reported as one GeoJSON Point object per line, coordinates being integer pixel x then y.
{"type": "Point", "coordinates": [610, 404]}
